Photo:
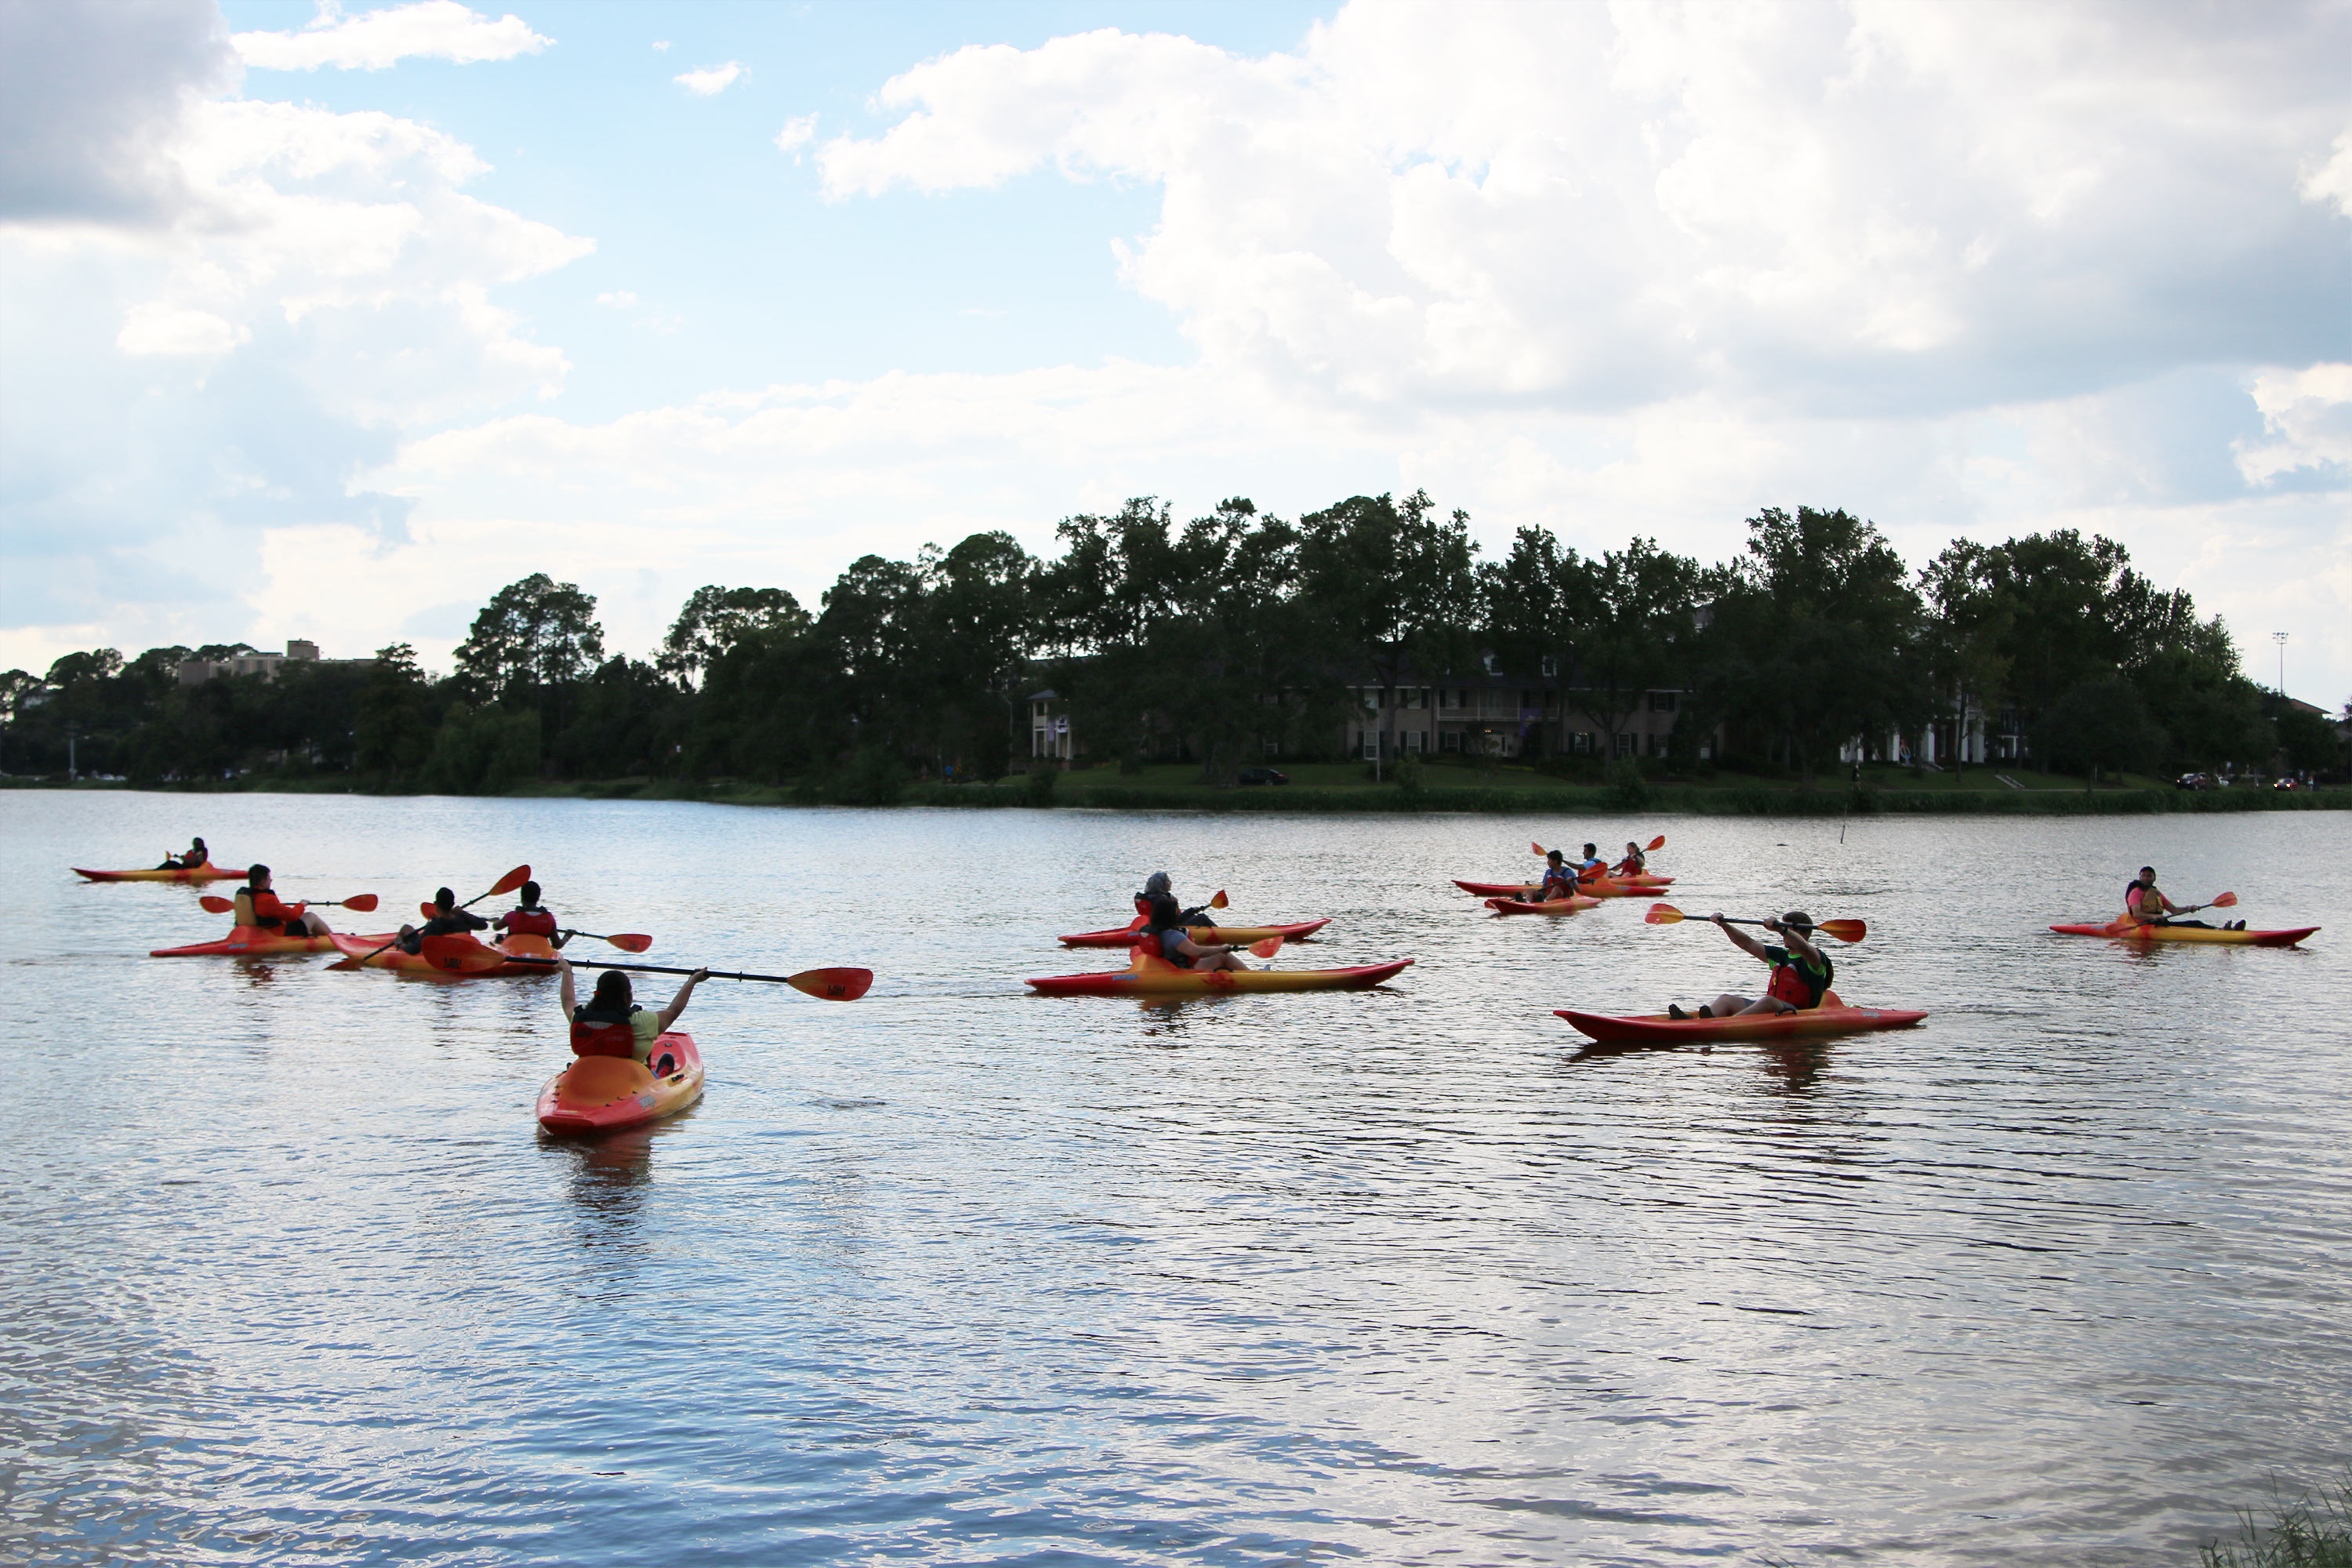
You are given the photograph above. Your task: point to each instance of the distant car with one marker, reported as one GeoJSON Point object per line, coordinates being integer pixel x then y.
{"type": "Point", "coordinates": [2286, 784]}
{"type": "Point", "coordinates": [2193, 780]}
{"type": "Point", "coordinates": [1265, 775]}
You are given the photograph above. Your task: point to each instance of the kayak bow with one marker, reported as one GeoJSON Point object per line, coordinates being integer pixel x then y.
{"type": "Point", "coordinates": [606, 1094]}
{"type": "Point", "coordinates": [2129, 932]}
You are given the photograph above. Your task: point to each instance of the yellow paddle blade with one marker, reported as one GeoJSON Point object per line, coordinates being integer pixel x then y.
{"type": "Point", "coordinates": [1663, 915]}
{"type": "Point", "coordinates": [1219, 902]}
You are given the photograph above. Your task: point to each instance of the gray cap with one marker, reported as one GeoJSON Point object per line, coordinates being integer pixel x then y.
{"type": "Point", "coordinates": [1156, 883]}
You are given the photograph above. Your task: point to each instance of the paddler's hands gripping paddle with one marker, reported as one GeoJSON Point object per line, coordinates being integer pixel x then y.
{"type": "Point", "coordinates": [359, 904]}
{"type": "Point", "coordinates": [1844, 930]}
{"type": "Point", "coordinates": [505, 884]}
{"type": "Point", "coordinates": [825, 984]}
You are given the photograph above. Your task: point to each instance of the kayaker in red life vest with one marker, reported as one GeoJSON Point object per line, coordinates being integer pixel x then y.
{"type": "Point", "coordinates": [2144, 901]}
{"type": "Point", "coordinates": [528, 919]}
{"type": "Point", "coordinates": [1634, 863]}
{"type": "Point", "coordinates": [1801, 973]}
{"type": "Point", "coordinates": [613, 1025]}
{"type": "Point", "coordinates": [447, 920]}
{"type": "Point", "coordinates": [1165, 930]}
{"type": "Point", "coordinates": [197, 855]}
{"type": "Point", "coordinates": [257, 906]}
{"type": "Point", "coordinates": [1559, 882]}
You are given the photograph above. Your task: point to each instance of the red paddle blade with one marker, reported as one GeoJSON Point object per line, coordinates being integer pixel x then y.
{"type": "Point", "coordinates": [1844, 930]}
{"type": "Point", "coordinates": [511, 881]}
{"type": "Point", "coordinates": [1663, 915]}
{"type": "Point", "coordinates": [217, 904]}
{"type": "Point", "coordinates": [631, 941]}
{"type": "Point", "coordinates": [427, 910]}
{"type": "Point", "coordinates": [1267, 948]}
{"type": "Point", "coordinates": [1537, 847]}
{"type": "Point", "coordinates": [1657, 843]}
{"type": "Point", "coordinates": [832, 985]}
{"type": "Point", "coordinates": [360, 903]}
{"type": "Point", "coordinates": [1218, 902]}
{"type": "Point", "coordinates": [2226, 902]}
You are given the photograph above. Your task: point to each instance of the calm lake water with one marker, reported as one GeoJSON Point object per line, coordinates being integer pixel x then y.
{"type": "Point", "coordinates": [957, 1274]}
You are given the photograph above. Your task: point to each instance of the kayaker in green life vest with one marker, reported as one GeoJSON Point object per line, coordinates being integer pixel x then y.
{"type": "Point", "coordinates": [1800, 972]}
{"type": "Point", "coordinates": [612, 1024]}
{"type": "Point", "coordinates": [447, 920]}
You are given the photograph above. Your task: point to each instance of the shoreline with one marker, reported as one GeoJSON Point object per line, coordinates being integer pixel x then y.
{"type": "Point", "coordinates": [1691, 800]}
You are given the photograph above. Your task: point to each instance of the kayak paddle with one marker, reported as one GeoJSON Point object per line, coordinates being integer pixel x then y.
{"type": "Point", "coordinates": [1653, 845]}
{"type": "Point", "coordinates": [627, 941]}
{"type": "Point", "coordinates": [2226, 902]}
{"type": "Point", "coordinates": [1219, 901]}
{"type": "Point", "coordinates": [827, 985]}
{"type": "Point", "coordinates": [359, 904]}
{"type": "Point", "coordinates": [1844, 930]}
{"type": "Point", "coordinates": [505, 884]}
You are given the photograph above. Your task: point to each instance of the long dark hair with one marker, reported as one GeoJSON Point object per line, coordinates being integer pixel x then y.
{"type": "Point", "coordinates": [613, 994]}
{"type": "Point", "coordinates": [1166, 914]}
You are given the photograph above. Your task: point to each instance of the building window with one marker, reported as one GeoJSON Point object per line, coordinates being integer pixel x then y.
{"type": "Point", "coordinates": [1580, 744]}
{"type": "Point", "coordinates": [1449, 740]}
{"type": "Point", "coordinates": [1661, 702]}
{"type": "Point", "coordinates": [1657, 745]}
{"type": "Point", "coordinates": [1624, 745]}
{"type": "Point", "coordinates": [1449, 697]}
{"type": "Point", "coordinates": [1416, 739]}
{"type": "Point", "coordinates": [1416, 697]}
{"type": "Point", "coordinates": [1551, 669]}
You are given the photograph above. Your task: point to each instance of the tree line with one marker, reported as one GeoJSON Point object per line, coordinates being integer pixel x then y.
{"type": "Point", "coordinates": [1220, 640]}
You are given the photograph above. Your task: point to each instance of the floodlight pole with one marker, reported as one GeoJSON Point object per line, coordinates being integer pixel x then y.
{"type": "Point", "coordinates": [2280, 639]}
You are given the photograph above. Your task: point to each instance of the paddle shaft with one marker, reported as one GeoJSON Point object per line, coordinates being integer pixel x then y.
{"type": "Point", "coordinates": [658, 969]}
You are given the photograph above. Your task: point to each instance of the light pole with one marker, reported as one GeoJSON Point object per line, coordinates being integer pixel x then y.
{"type": "Point", "coordinates": [2280, 639]}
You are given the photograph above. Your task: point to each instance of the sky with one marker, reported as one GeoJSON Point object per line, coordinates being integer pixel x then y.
{"type": "Point", "coordinates": [327, 321]}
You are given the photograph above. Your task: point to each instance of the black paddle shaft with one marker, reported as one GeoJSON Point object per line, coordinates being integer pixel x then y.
{"type": "Point", "coordinates": [659, 969]}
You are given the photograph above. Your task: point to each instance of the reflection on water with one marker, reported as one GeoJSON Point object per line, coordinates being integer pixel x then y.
{"type": "Point", "coordinates": [953, 1274]}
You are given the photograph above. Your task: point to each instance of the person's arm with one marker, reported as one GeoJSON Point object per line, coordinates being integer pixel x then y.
{"type": "Point", "coordinates": [566, 995]}
{"type": "Point", "coordinates": [669, 1014]}
{"type": "Point", "coordinates": [1192, 949]}
{"type": "Point", "coordinates": [1740, 938]}
{"type": "Point", "coordinates": [1799, 944]}
{"type": "Point", "coordinates": [560, 938]}
{"type": "Point", "coordinates": [472, 921]}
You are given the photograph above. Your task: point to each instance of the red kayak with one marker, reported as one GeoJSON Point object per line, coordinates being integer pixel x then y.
{"type": "Point", "coordinates": [1231, 936]}
{"type": "Point", "coordinates": [260, 942]}
{"type": "Point", "coordinates": [1831, 1018]}
{"type": "Point", "coordinates": [1603, 889]}
{"type": "Point", "coordinates": [606, 1094]}
{"type": "Point", "coordinates": [1148, 976]}
{"type": "Point", "coordinates": [2218, 936]}
{"type": "Point", "coordinates": [164, 873]}
{"type": "Point", "coordinates": [1542, 906]}
{"type": "Point", "coordinates": [456, 954]}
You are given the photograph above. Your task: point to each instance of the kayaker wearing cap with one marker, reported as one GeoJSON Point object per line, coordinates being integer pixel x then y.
{"type": "Point", "coordinates": [1166, 932]}
{"type": "Point", "coordinates": [530, 919]}
{"type": "Point", "coordinates": [197, 855]}
{"type": "Point", "coordinates": [1634, 863]}
{"type": "Point", "coordinates": [613, 1025]}
{"type": "Point", "coordinates": [257, 906]}
{"type": "Point", "coordinates": [447, 920]}
{"type": "Point", "coordinates": [1800, 972]}
{"type": "Point", "coordinates": [1559, 882]}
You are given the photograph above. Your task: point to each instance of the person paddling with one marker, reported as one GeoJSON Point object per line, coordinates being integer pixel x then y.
{"type": "Point", "coordinates": [447, 920]}
{"type": "Point", "coordinates": [1166, 933]}
{"type": "Point", "coordinates": [613, 1025]}
{"type": "Point", "coordinates": [1157, 886]}
{"type": "Point", "coordinates": [197, 855]}
{"type": "Point", "coordinates": [257, 906]}
{"type": "Point", "coordinates": [1559, 882]}
{"type": "Point", "coordinates": [529, 917]}
{"type": "Point", "coordinates": [2145, 903]}
{"type": "Point", "coordinates": [1634, 863]}
{"type": "Point", "coordinates": [1800, 972]}
{"type": "Point", "coordinates": [1592, 867]}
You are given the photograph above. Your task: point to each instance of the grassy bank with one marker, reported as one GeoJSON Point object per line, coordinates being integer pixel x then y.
{"type": "Point", "coordinates": [1340, 787]}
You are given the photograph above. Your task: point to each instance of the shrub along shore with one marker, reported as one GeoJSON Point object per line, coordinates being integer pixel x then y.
{"type": "Point", "coordinates": [1754, 799]}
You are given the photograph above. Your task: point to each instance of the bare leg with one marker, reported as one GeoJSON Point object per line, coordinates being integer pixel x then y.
{"type": "Point", "coordinates": [316, 923]}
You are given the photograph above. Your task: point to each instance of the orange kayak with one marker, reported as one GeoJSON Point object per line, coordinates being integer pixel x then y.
{"type": "Point", "coordinates": [1609, 889]}
{"type": "Point", "coordinates": [1542, 906]}
{"type": "Point", "coordinates": [259, 942]}
{"type": "Point", "coordinates": [2129, 931]}
{"type": "Point", "coordinates": [606, 1094]}
{"type": "Point", "coordinates": [205, 873]}
{"type": "Point", "coordinates": [456, 954]}
{"type": "Point", "coordinates": [1831, 1018]}
{"type": "Point", "coordinates": [1232, 936]}
{"type": "Point", "coordinates": [1148, 976]}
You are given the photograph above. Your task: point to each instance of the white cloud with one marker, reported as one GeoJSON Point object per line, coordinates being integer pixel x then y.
{"type": "Point", "coordinates": [711, 82]}
{"type": "Point", "coordinates": [617, 299]}
{"type": "Point", "coordinates": [2307, 420]}
{"type": "Point", "coordinates": [1834, 206]}
{"type": "Point", "coordinates": [156, 327]}
{"type": "Point", "coordinates": [373, 40]}
{"type": "Point", "coordinates": [797, 134]}
{"type": "Point", "coordinates": [661, 46]}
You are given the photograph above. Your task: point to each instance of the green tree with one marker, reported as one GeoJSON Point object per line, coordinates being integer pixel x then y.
{"type": "Point", "coordinates": [533, 642]}
{"type": "Point", "coordinates": [2101, 724]}
{"type": "Point", "coordinates": [1632, 613]}
{"type": "Point", "coordinates": [1969, 625]}
{"type": "Point", "coordinates": [715, 620]}
{"type": "Point", "coordinates": [392, 736]}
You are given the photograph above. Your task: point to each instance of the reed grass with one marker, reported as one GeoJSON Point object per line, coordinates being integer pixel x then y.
{"type": "Point", "coordinates": [2311, 1532]}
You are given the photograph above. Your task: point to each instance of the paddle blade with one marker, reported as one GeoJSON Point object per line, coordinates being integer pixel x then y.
{"type": "Point", "coordinates": [427, 910]}
{"type": "Point", "coordinates": [360, 903]}
{"type": "Point", "coordinates": [1663, 915]}
{"type": "Point", "coordinates": [631, 941]}
{"type": "Point", "coordinates": [1267, 948]}
{"type": "Point", "coordinates": [832, 985]}
{"type": "Point", "coordinates": [216, 904]}
{"type": "Point", "coordinates": [1844, 930]}
{"type": "Point", "coordinates": [1537, 847]}
{"type": "Point", "coordinates": [509, 882]}
{"type": "Point", "coordinates": [1220, 901]}
{"type": "Point", "coordinates": [1657, 843]}
{"type": "Point", "coordinates": [2226, 902]}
